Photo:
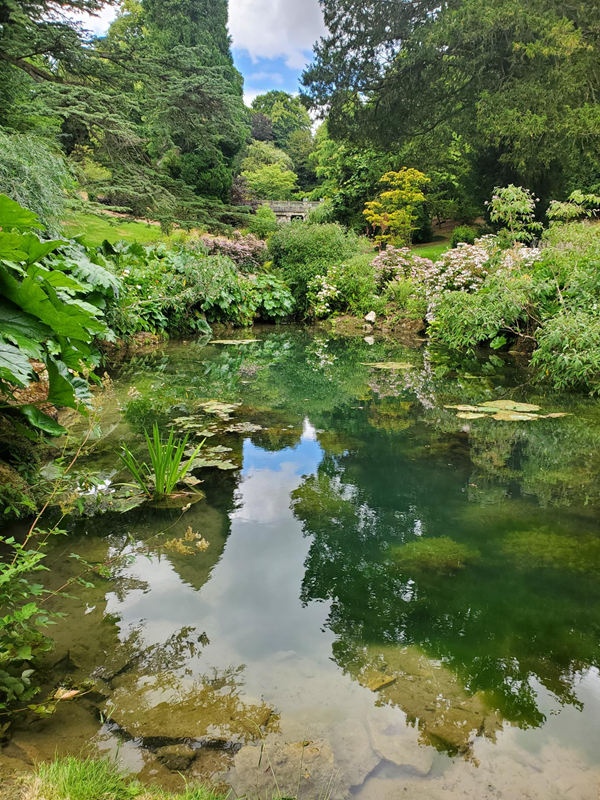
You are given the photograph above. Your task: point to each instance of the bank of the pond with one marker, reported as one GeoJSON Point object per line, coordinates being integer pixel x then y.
{"type": "Point", "coordinates": [398, 593]}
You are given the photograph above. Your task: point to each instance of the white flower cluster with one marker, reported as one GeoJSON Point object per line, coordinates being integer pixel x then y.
{"type": "Point", "coordinates": [323, 292]}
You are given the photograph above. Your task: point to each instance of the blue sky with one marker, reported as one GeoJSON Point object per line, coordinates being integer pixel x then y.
{"type": "Point", "coordinates": [272, 40]}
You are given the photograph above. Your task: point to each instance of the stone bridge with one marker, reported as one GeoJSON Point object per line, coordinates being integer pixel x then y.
{"type": "Point", "coordinates": [287, 211]}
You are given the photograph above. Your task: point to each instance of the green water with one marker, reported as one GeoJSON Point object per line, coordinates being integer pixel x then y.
{"type": "Point", "coordinates": [413, 594]}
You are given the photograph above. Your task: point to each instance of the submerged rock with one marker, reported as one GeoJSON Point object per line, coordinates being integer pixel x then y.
{"type": "Point", "coordinates": [300, 769]}
{"type": "Point", "coordinates": [176, 757]}
{"type": "Point", "coordinates": [210, 709]}
{"type": "Point", "coordinates": [430, 695]}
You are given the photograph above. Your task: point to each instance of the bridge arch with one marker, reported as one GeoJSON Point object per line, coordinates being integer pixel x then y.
{"type": "Point", "coordinates": [288, 211]}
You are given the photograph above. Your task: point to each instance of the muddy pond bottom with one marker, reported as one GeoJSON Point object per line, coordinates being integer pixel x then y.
{"type": "Point", "coordinates": [399, 599]}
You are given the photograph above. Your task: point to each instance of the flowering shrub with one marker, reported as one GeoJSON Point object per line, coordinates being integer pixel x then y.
{"type": "Point", "coordinates": [324, 293]}
{"type": "Point", "coordinates": [248, 253]}
{"type": "Point", "coordinates": [397, 263]}
{"type": "Point", "coordinates": [463, 269]}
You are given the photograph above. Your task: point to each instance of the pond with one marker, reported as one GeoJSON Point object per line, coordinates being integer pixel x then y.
{"type": "Point", "coordinates": [400, 598]}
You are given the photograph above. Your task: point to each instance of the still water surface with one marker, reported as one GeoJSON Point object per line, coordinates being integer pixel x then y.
{"type": "Point", "coordinates": [396, 602]}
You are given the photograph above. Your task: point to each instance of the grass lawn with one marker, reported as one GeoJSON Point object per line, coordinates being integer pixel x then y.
{"type": "Point", "coordinates": [97, 229]}
{"type": "Point", "coordinates": [432, 251]}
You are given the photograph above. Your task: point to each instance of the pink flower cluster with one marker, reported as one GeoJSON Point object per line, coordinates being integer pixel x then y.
{"type": "Point", "coordinates": [249, 252]}
{"type": "Point", "coordinates": [462, 269]}
{"type": "Point", "coordinates": [396, 263]}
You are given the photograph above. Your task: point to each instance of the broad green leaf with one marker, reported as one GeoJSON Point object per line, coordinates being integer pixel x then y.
{"type": "Point", "coordinates": [42, 421]}
{"type": "Point", "coordinates": [14, 365]}
{"type": "Point", "coordinates": [72, 353]}
{"type": "Point", "coordinates": [14, 216]}
{"type": "Point", "coordinates": [65, 389]}
{"type": "Point", "coordinates": [56, 278]}
{"type": "Point", "coordinates": [64, 319]}
{"type": "Point", "coordinates": [22, 329]}
{"type": "Point", "coordinates": [95, 275]}
{"type": "Point", "coordinates": [11, 247]}
{"type": "Point", "coordinates": [36, 249]}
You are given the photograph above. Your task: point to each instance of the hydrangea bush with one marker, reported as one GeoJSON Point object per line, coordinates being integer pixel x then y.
{"type": "Point", "coordinates": [324, 293]}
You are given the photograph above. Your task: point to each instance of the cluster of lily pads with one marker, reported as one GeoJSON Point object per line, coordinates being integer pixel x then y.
{"type": "Point", "coordinates": [198, 425]}
{"type": "Point", "coordinates": [503, 411]}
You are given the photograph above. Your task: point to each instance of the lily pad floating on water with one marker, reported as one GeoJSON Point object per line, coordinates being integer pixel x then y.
{"type": "Point", "coordinates": [222, 410]}
{"type": "Point", "coordinates": [503, 411]}
{"type": "Point", "coordinates": [205, 463]}
{"type": "Point", "coordinates": [388, 365]}
{"type": "Point", "coordinates": [234, 342]}
{"type": "Point", "coordinates": [509, 405]}
{"type": "Point", "coordinates": [244, 427]}
{"type": "Point", "coordinates": [513, 416]}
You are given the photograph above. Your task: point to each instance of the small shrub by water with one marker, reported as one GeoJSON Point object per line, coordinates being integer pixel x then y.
{"type": "Point", "coordinates": [301, 251]}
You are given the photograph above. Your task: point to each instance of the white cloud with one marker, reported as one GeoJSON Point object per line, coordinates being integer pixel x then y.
{"type": "Point", "coordinates": [98, 24]}
{"type": "Point", "coordinates": [276, 28]}
{"type": "Point", "coordinates": [251, 94]}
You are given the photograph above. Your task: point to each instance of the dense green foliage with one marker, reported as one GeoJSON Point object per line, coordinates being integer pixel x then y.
{"type": "Point", "coordinates": [264, 222]}
{"type": "Point", "coordinates": [518, 82]}
{"type": "Point", "coordinates": [300, 251]}
{"type": "Point", "coordinates": [151, 116]}
{"type": "Point", "coordinates": [35, 176]}
{"type": "Point", "coordinates": [464, 234]}
{"type": "Point", "coordinates": [53, 294]}
{"type": "Point", "coordinates": [281, 120]}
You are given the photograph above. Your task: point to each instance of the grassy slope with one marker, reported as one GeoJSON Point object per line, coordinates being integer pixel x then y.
{"type": "Point", "coordinates": [432, 251]}
{"type": "Point", "coordinates": [97, 229]}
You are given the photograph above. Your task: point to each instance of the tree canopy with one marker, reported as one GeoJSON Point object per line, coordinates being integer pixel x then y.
{"type": "Point", "coordinates": [518, 81]}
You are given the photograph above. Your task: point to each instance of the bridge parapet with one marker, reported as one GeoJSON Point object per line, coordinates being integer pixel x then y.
{"type": "Point", "coordinates": [287, 211]}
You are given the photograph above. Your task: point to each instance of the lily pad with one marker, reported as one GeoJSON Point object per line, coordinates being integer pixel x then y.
{"type": "Point", "coordinates": [470, 415]}
{"type": "Point", "coordinates": [558, 415]}
{"type": "Point", "coordinates": [388, 365]}
{"type": "Point", "coordinates": [513, 416]}
{"type": "Point", "coordinates": [466, 408]}
{"type": "Point", "coordinates": [222, 410]}
{"type": "Point", "coordinates": [509, 405]}
{"type": "Point", "coordinates": [243, 427]}
{"type": "Point", "coordinates": [234, 342]}
{"type": "Point", "coordinates": [205, 463]}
